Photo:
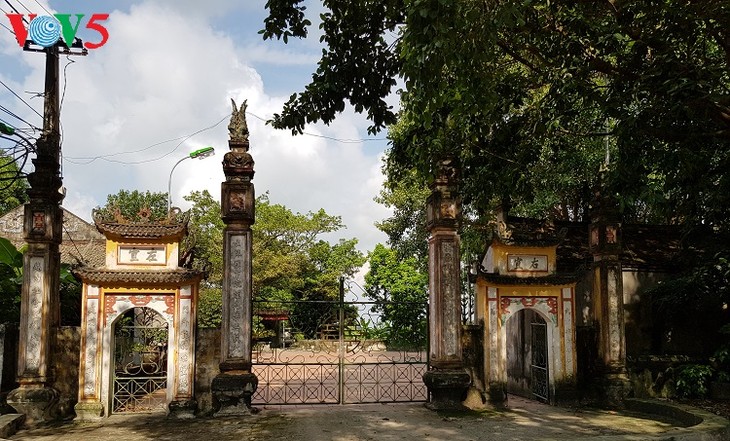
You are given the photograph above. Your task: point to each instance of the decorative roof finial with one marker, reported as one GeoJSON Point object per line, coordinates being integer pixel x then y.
{"type": "Point", "coordinates": [237, 127]}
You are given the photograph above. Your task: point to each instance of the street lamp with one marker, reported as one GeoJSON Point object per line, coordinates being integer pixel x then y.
{"type": "Point", "coordinates": [200, 154]}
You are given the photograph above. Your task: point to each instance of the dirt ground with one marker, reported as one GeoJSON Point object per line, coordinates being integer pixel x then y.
{"type": "Point", "coordinates": [721, 408]}
{"type": "Point", "coordinates": [523, 420]}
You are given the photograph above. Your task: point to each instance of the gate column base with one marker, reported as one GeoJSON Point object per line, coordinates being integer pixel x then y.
{"type": "Point", "coordinates": [38, 404]}
{"type": "Point", "coordinates": [232, 393]}
{"type": "Point", "coordinates": [447, 388]}
{"type": "Point", "coordinates": [182, 409]}
{"type": "Point", "coordinates": [89, 411]}
{"type": "Point", "coordinates": [615, 388]}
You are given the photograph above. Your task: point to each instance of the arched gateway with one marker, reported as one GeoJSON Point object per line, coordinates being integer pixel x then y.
{"type": "Point", "coordinates": [138, 323]}
{"type": "Point", "coordinates": [528, 311]}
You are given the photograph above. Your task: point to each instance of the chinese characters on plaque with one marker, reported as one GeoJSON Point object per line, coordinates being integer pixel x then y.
{"type": "Point", "coordinates": [527, 262]}
{"type": "Point", "coordinates": [142, 255]}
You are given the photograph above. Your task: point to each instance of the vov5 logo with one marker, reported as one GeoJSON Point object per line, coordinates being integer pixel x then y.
{"type": "Point", "coordinates": [45, 30]}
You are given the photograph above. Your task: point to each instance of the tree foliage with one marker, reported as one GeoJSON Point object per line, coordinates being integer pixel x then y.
{"type": "Point", "coordinates": [134, 206]}
{"type": "Point", "coordinates": [291, 262]}
{"type": "Point", "coordinates": [406, 227]}
{"type": "Point", "coordinates": [11, 284]}
{"type": "Point", "coordinates": [13, 186]}
{"type": "Point", "coordinates": [534, 97]}
{"type": "Point", "coordinates": [400, 289]}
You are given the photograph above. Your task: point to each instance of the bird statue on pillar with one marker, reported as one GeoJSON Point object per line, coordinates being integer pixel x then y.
{"type": "Point", "coordinates": [237, 127]}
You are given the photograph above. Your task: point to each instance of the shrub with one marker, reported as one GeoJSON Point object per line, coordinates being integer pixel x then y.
{"type": "Point", "coordinates": [693, 380]}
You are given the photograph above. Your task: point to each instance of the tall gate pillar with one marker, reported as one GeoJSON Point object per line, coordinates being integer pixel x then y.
{"type": "Point", "coordinates": [608, 301]}
{"type": "Point", "coordinates": [235, 385]}
{"type": "Point", "coordinates": [39, 303]}
{"type": "Point", "coordinates": [447, 380]}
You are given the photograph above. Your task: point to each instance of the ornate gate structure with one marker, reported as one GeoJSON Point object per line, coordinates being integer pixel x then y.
{"type": "Point", "coordinates": [329, 352]}
{"type": "Point", "coordinates": [138, 322]}
{"type": "Point", "coordinates": [528, 311]}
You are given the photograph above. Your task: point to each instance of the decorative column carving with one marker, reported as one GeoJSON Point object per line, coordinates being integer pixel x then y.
{"type": "Point", "coordinates": [39, 313]}
{"type": "Point", "coordinates": [235, 385]}
{"type": "Point", "coordinates": [447, 379]}
{"type": "Point", "coordinates": [608, 304]}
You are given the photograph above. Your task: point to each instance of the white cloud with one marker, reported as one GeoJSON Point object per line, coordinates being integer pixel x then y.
{"type": "Point", "coordinates": [165, 74]}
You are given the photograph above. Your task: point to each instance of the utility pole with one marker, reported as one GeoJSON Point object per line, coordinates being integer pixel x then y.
{"type": "Point", "coordinates": [42, 225]}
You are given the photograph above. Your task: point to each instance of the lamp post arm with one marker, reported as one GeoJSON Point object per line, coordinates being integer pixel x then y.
{"type": "Point", "coordinates": [169, 183]}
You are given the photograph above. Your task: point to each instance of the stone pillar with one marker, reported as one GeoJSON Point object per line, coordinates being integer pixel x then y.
{"type": "Point", "coordinates": [39, 313]}
{"type": "Point", "coordinates": [234, 386]}
{"type": "Point", "coordinates": [608, 300]}
{"type": "Point", "coordinates": [447, 380]}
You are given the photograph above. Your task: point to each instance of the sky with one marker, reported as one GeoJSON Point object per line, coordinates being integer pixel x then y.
{"type": "Point", "coordinates": [168, 71]}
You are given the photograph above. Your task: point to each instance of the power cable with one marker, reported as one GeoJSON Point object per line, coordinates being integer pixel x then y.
{"type": "Point", "coordinates": [16, 11]}
{"type": "Point", "coordinates": [60, 108]}
{"type": "Point", "coordinates": [80, 258]}
{"type": "Point", "coordinates": [74, 160]}
{"type": "Point", "coordinates": [331, 138]}
{"type": "Point", "coordinates": [9, 30]}
{"type": "Point", "coordinates": [24, 7]}
{"type": "Point", "coordinates": [9, 112]}
{"type": "Point", "coordinates": [43, 7]}
{"type": "Point", "coordinates": [21, 99]}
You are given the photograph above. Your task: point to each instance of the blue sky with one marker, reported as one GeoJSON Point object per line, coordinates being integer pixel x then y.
{"type": "Point", "coordinates": [169, 70]}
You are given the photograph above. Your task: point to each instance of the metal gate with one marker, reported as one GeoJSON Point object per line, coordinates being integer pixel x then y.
{"type": "Point", "coordinates": [140, 362]}
{"type": "Point", "coordinates": [539, 364]}
{"type": "Point", "coordinates": [340, 351]}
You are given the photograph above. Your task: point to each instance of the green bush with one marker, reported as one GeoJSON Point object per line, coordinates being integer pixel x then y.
{"type": "Point", "coordinates": [693, 380]}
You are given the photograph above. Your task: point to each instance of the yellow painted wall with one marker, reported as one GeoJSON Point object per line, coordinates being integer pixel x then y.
{"type": "Point", "coordinates": [500, 253]}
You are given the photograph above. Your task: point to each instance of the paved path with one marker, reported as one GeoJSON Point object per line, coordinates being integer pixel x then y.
{"type": "Point", "coordinates": [524, 420]}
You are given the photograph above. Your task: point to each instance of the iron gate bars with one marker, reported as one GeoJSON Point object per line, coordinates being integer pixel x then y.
{"type": "Point", "coordinates": [337, 352]}
{"type": "Point", "coordinates": [539, 365]}
{"type": "Point", "coordinates": [140, 362]}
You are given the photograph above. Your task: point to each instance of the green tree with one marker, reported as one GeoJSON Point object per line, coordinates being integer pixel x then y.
{"type": "Point", "coordinates": [134, 206]}
{"type": "Point", "coordinates": [406, 227]}
{"type": "Point", "coordinates": [204, 244]}
{"type": "Point", "coordinates": [531, 97]}
{"type": "Point", "coordinates": [11, 284]}
{"type": "Point", "coordinates": [11, 280]}
{"type": "Point", "coordinates": [290, 260]}
{"type": "Point", "coordinates": [400, 290]}
{"type": "Point", "coordinates": [13, 185]}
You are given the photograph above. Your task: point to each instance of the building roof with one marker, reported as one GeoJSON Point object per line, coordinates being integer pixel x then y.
{"type": "Point", "coordinates": [142, 230]}
{"type": "Point", "coordinates": [102, 276]}
{"type": "Point", "coordinates": [646, 247]}
{"type": "Point", "coordinates": [81, 242]}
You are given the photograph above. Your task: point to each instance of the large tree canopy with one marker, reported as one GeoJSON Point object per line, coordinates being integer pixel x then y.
{"type": "Point", "coordinates": [533, 97]}
{"type": "Point", "coordinates": [291, 261]}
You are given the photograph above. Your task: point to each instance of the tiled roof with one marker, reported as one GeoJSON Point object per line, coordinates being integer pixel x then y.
{"type": "Point", "coordinates": [142, 230]}
{"type": "Point", "coordinates": [649, 247]}
{"type": "Point", "coordinates": [89, 253]}
{"type": "Point", "coordinates": [156, 277]}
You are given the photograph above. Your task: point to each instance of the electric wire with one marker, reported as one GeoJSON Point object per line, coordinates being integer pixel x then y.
{"type": "Point", "coordinates": [9, 30]}
{"type": "Point", "coordinates": [84, 160]}
{"type": "Point", "coordinates": [60, 108]}
{"type": "Point", "coordinates": [11, 113]}
{"type": "Point", "coordinates": [80, 257]}
{"type": "Point", "coordinates": [16, 11]}
{"type": "Point", "coordinates": [24, 7]}
{"type": "Point", "coordinates": [43, 7]}
{"type": "Point", "coordinates": [20, 98]}
{"type": "Point", "coordinates": [76, 160]}
{"type": "Point", "coordinates": [331, 138]}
